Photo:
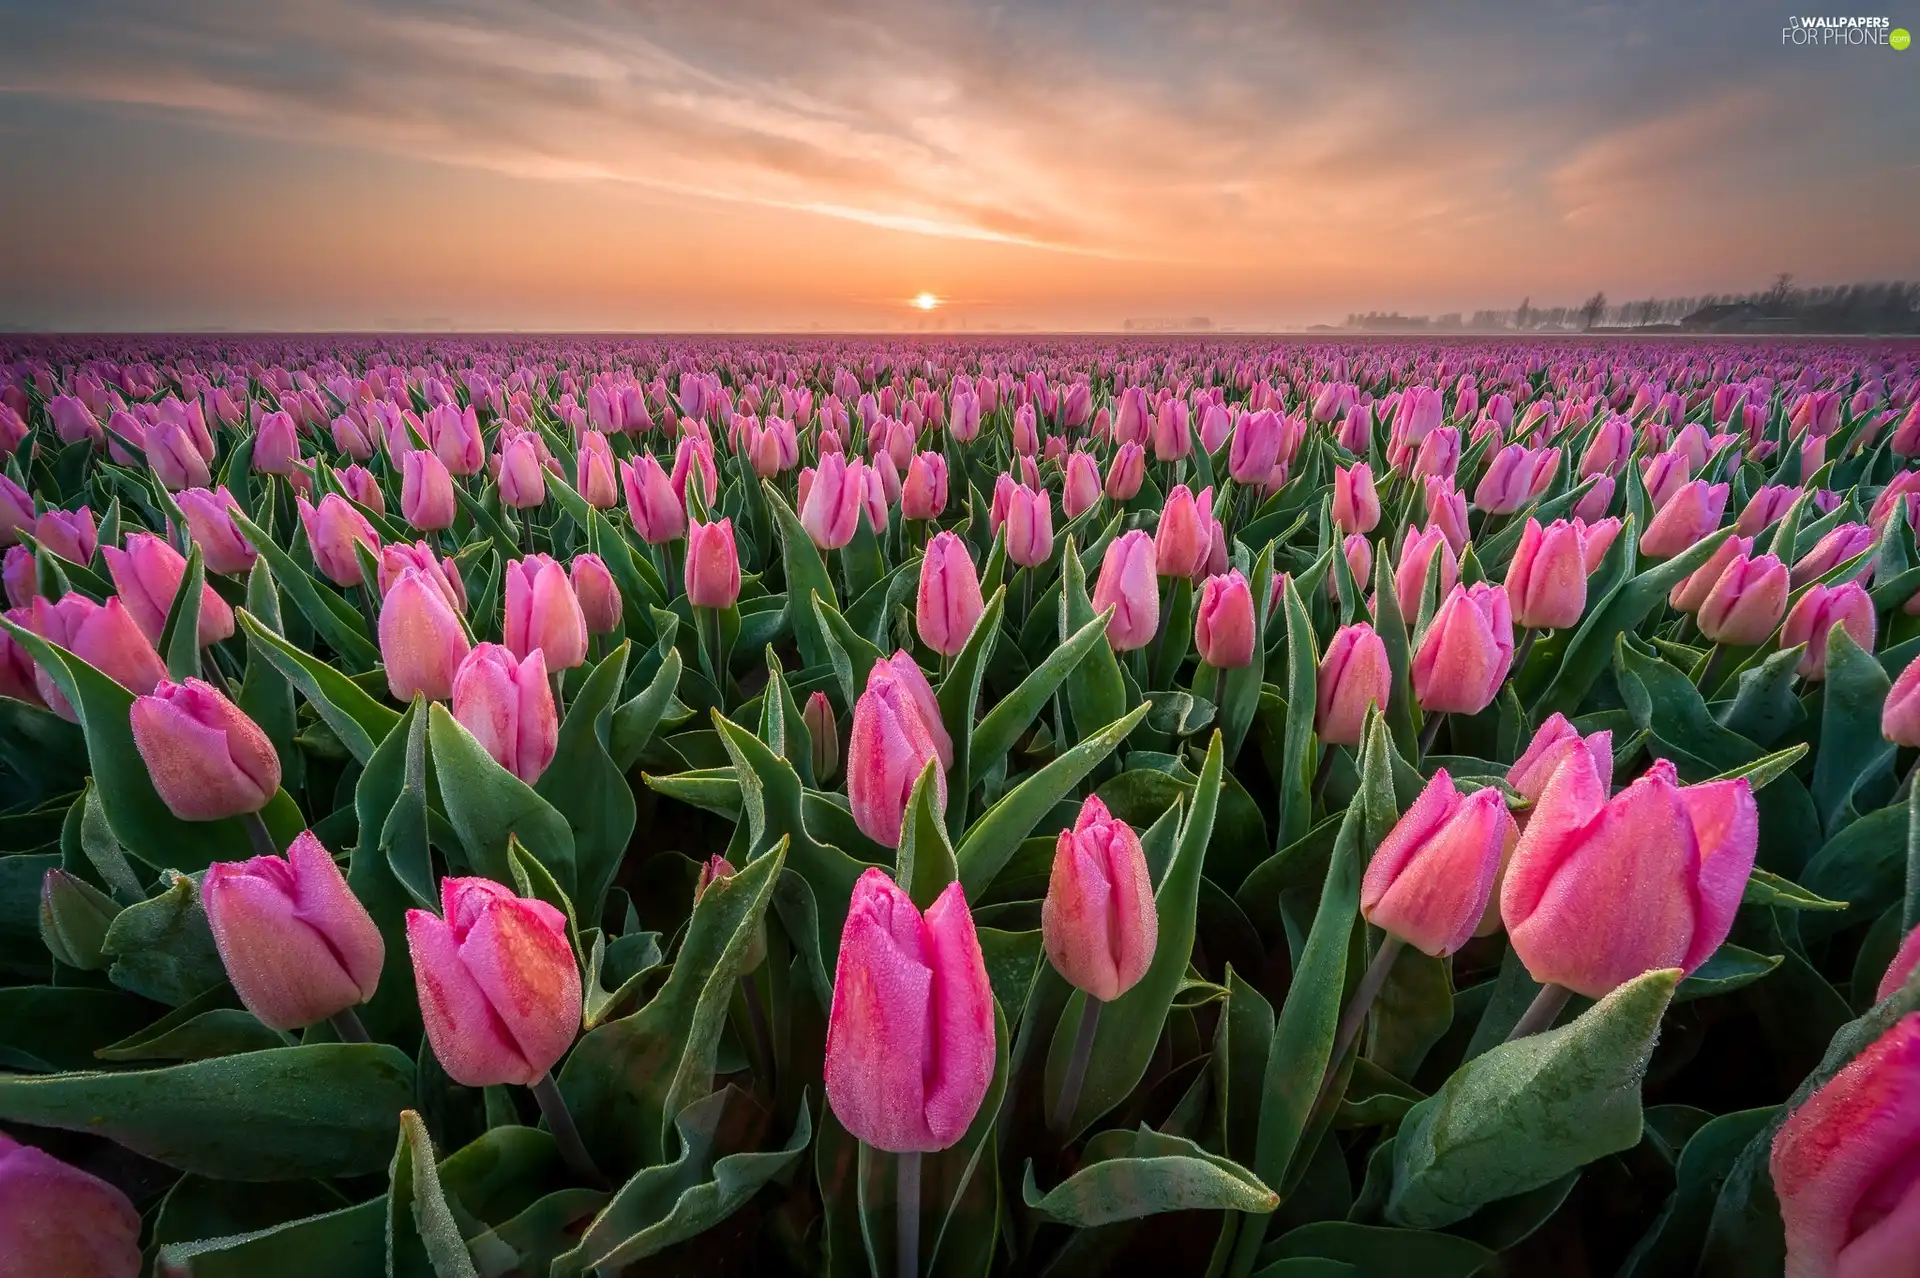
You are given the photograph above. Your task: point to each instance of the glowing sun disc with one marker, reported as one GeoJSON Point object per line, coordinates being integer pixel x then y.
{"type": "Point", "coordinates": [926, 301]}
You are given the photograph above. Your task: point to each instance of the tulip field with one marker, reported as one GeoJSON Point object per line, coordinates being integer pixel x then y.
{"type": "Point", "coordinates": [475, 807]}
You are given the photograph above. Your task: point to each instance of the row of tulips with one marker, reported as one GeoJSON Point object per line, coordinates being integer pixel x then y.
{"type": "Point", "coordinates": [1225, 867]}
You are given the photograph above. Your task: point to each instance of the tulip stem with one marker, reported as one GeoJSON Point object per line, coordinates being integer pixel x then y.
{"type": "Point", "coordinates": [1709, 677]}
{"type": "Point", "coordinates": [907, 1203]}
{"type": "Point", "coordinates": [1527, 637]}
{"type": "Point", "coordinates": [560, 695]}
{"type": "Point", "coordinates": [560, 1120]}
{"type": "Point", "coordinates": [762, 1035]}
{"type": "Point", "coordinates": [346, 1023]}
{"type": "Point", "coordinates": [1428, 733]}
{"type": "Point", "coordinates": [1076, 1075]}
{"type": "Point", "coordinates": [364, 593]}
{"type": "Point", "coordinates": [259, 835]}
{"type": "Point", "coordinates": [1359, 1005]}
{"type": "Point", "coordinates": [1540, 1013]}
{"type": "Point", "coordinates": [1320, 775]}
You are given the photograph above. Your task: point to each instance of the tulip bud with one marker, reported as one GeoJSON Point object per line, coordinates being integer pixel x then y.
{"type": "Point", "coordinates": [332, 529]}
{"type": "Point", "coordinates": [1184, 534]}
{"type": "Point", "coordinates": [104, 636]}
{"type": "Point", "coordinates": [1765, 508]}
{"type": "Point", "coordinates": [22, 576]}
{"type": "Point", "coordinates": [1692, 513]}
{"type": "Point", "coordinates": [1029, 526]}
{"type": "Point", "coordinates": [1419, 551]}
{"type": "Point", "coordinates": [426, 491]}
{"type": "Point", "coordinates": [1838, 546]}
{"type": "Point", "coordinates": [276, 445]}
{"type": "Point", "coordinates": [1817, 613]}
{"type": "Point", "coordinates": [508, 707]}
{"type": "Point", "coordinates": [147, 574]}
{"type": "Point", "coordinates": [830, 508]}
{"type": "Point", "coordinates": [1746, 602]}
{"type": "Point", "coordinates": [1353, 675]}
{"type": "Point", "coordinates": [1098, 919]}
{"type": "Point", "coordinates": [176, 462]}
{"type": "Point", "coordinates": [1508, 482]}
{"type": "Point", "coordinates": [222, 548]}
{"type": "Point", "coordinates": [595, 472]}
{"type": "Point", "coordinates": [298, 946]}
{"type": "Point", "coordinates": [16, 510]}
{"type": "Point", "coordinates": [421, 640]}
{"type": "Point", "coordinates": [1551, 746]}
{"type": "Point", "coordinates": [718, 869]}
{"type": "Point", "coordinates": [713, 565]}
{"type": "Point", "coordinates": [398, 556]}
{"type": "Point", "coordinates": [456, 440]}
{"type": "Point", "coordinates": [1439, 454]}
{"type": "Point", "coordinates": [1842, 1165]}
{"type": "Point", "coordinates": [1900, 720]}
{"type": "Point", "coordinates": [817, 714]}
{"type": "Point", "coordinates": [1447, 511]}
{"type": "Point", "coordinates": [693, 458]}
{"type": "Point", "coordinates": [1127, 472]}
{"type": "Point", "coordinates": [924, 494]}
{"type": "Point", "coordinates": [1082, 487]}
{"type": "Point", "coordinates": [1223, 622]}
{"type": "Point", "coordinates": [1129, 584]}
{"type": "Point", "coordinates": [208, 760]}
{"type": "Point", "coordinates": [1664, 476]}
{"type": "Point", "coordinates": [1430, 879]}
{"type": "Point", "coordinates": [74, 918]}
{"type": "Point", "coordinates": [363, 489]}
{"type": "Point", "coordinates": [599, 598]}
{"type": "Point", "coordinates": [499, 987]}
{"type": "Point", "coordinates": [892, 739]}
{"type": "Point", "coordinates": [1692, 592]}
{"type": "Point", "coordinates": [69, 534]}
{"type": "Point", "coordinates": [657, 513]}
{"type": "Point", "coordinates": [351, 438]}
{"type": "Point", "coordinates": [1172, 440]}
{"type": "Point", "coordinates": [948, 604]}
{"type": "Point", "coordinates": [1256, 447]}
{"type": "Point", "coordinates": [1467, 651]}
{"type": "Point", "coordinates": [523, 482]}
{"type": "Point", "coordinates": [1356, 507]}
{"type": "Point", "coordinates": [910, 1036]}
{"type": "Point", "coordinates": [1547, 581]}
{"type": "Point", "coordinates": [543, 612]}
{"type": "Point", "coordinates": [1672, 859]}
{"type": "Point", "coordinates": [60, 1222]}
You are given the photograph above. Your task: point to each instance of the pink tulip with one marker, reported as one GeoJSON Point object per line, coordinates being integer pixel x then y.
{"type": "Point", "coordinates": [1672, 859]}
{"type": "Point", "coordinates": [1467, 651]}
{"type": "Point", "coordinates": [924, 493]}
{"type": "Point", "coordinates": [1447, 511]}
{"type": "Point", "coordinates": [657, 513]}
{"type": "Point", "coordinates": [16, 510]}
{"type": "Point", "coordinates": [1256, 447]}
{"type": "Point", "coordinates": [351, 438]}
{"type": "Point", "coordinates": [1419, 551]}
{"type": "Point", "coordinates": [1356, 507]}
{"type": "Point", "coordinates": [948, 604]}
{"type": "Point", "coordinates": [891, 742]}
{"type": "Point", "coordinates": [1430, 879]}
{"type": "Point", "coordinates": [1547, 580]}
{"type": "Point", "coordinates": [1665, 475]}
{"type": "Point", "coordinates": [713, 565]}
{"type": "Point", "coordinates": [147, 574]}
{"type": "Point", "coordinates": [817, 714]}
{"type": "Point", "coordinates": [830, 508]}
{"type": "Point", "coordinates": [1609, 449]}
{"type": "Point", "coordinates": [105, 636]}
{"type": "Point", "coordinates": [176, 462]}
{"type": "Point", "coordinates": [398, 556]}
{"type": "Point", "coordinates": [1129, 584]}
{"type": "Point", "coordinates": [426, 492]}
{"type": "Point", "coordinates": [208, 760]}
{"type": "Point", "coordinates": [72, 420]}
{"type": "Point", "coordinates": [1596, 537]}
{"type": "Point", "coordinates": [421, 640]}
{"type": "Point", "coordinates": [1029, 526]}
{"type": "Point", "coordinates": [13, 430]}
{"type": "Point", "coordinates": [1765, 508]}
{"type": "Point", "coordinates": [499, 988]}
{"type": "Point", "coordinates": [59, 1220]}
{"type": "Point", "coordinates": [1906, 961]}
{"type": "Point", "coordinates": [455, 439]}
{"type": "Point", "coordinates": [1692, 513]}
{"type": "Point", "coordinates": [1900, 719]}
{"type": "Point", "coordinates": [1905, 440]}
{"type": "Point", "coordinates": [22, 577]}
{"type": "Point", "coordinates": [1182, 540]}
{"type": "Point", "coordinates": [1692, 592]}
{"type": "Point", "coordinates": [1839, 545]}
{"type": "Point", "coordinates": [1354, 675]}
{"type": "Point", "coordinates": [543, 612]}
{"type": "Point", "coordinates": [1816, 614]}
{"type": "Point", "coordinates": [1551, 746]}
{"type": "Point", "coordinates": [362, 488]}
{"type": "Point", "coordinates": [1843, 1165]}
{"type": "Point", "coordinates": [523, 483]}
{"type": "Point", "coordinates": [332, 530]}
{"type": "Point", "coordinates": [276, 445]}
{"type": "Point", "coordinates": [910, 1037]}
{"type": "Point", "coordinates": [1439, 454]}
{"type": "Point", "coordinates": [596, 473]}
{"type": "Point", "coordinates": [69, 534]}
{"type": "Point", "coordinates": [1358, 552]}
{"type": "Point", "coordinates": [963, 419]}
{"type": "Point", "coordinates": [1223, 622]}
{"type": "Point", "coordinates": [1127, 473]}
{"type": "Point", "coordinates": [1746, 602]}
{"type": "Point", "coordinates": [693, 457]}
{"type": "Point", "coordinates": [1508, 482]}
{"type": "Point", "coordinates": [599, 598]}
{"type": "Point", "coordinates": [222, 548]}
{"type": "Point", "coordinates": [1597, 500]}
{"type": "Point", "coordinates": [1082, 487]}
{"type": "Point", "coordinates": [1172, 438]}
{"type": "Point", "coordinates": [298, 946]}
{"type": "Point", "coordinates": [1098, 920]}
{"type": "Point", "coordinates": [508, 707]}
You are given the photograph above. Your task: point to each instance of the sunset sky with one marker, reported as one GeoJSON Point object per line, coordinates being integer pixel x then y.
{"type": "Point", "coordinates": [788, 164]}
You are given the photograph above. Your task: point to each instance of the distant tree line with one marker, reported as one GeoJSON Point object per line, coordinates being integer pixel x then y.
{"type": "Point", "coordinates": [1878, 307]}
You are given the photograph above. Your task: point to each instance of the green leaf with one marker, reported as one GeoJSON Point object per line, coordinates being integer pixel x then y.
{"type": "Point", "coordinates": [588, 788]}
{"type": "Point", "coordinates": [1672, 1244]}
{"type": "Point", "coordinates": [1129, 1026]}
{"type": "Point", "coordinates": [1770, 889]}
{"type": "Point", "coordinates": [676, 1201]}
{"type": "Point", "coordinates": [1852, 751]}
{"type": "Point", "coordinates": [623, 1079]}
{"type": "Point", "coordinates": [635, 721]}
{"type": "Point", "coordinates": [291, 1112]}
{"type": "Point", "coordinates": [163, 948]}
{"type": "Point", "coordinates": [1004, 724]}
{"type": "Point", "coordinates": [422, 1235]}
{"type": "Point", "coordinates": [1728, 969]}
{"type": "Point", "coordinates": [180, 638]}
{"type": "Point", "coordinates": [999, 830]}
{"type": "Point", "coordinates": [1095, 691]}
{"type": "Point", "coordinates": [1528, 1112]}
{"type": "Point", "coordinates": [926, 863]}
{"type": "Point", "coordinates": [852, 657]}
{"type": "Point", "coordinates": [1384, 1253]}
{"type": "Point", "coordinates": [806, 575]}
{"type": "Point", "coordinates": [958, 695]}
{"type": "Point", "coordinates": [1157, 1173]}
{"type": "Point", "coordinates": [488, 805]}
{"type": "Point", "coordinates": [45, 1028]}
{"type": "Point", "coordinates": [340, 626]}
{"type": "Point", "coordinates": [1297, 768]}
{"type": "Point", "coordinates": [358, 719]}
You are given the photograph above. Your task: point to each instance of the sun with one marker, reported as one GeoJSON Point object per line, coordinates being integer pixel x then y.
{"type": "Point", "coordinates": [926, 301]}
